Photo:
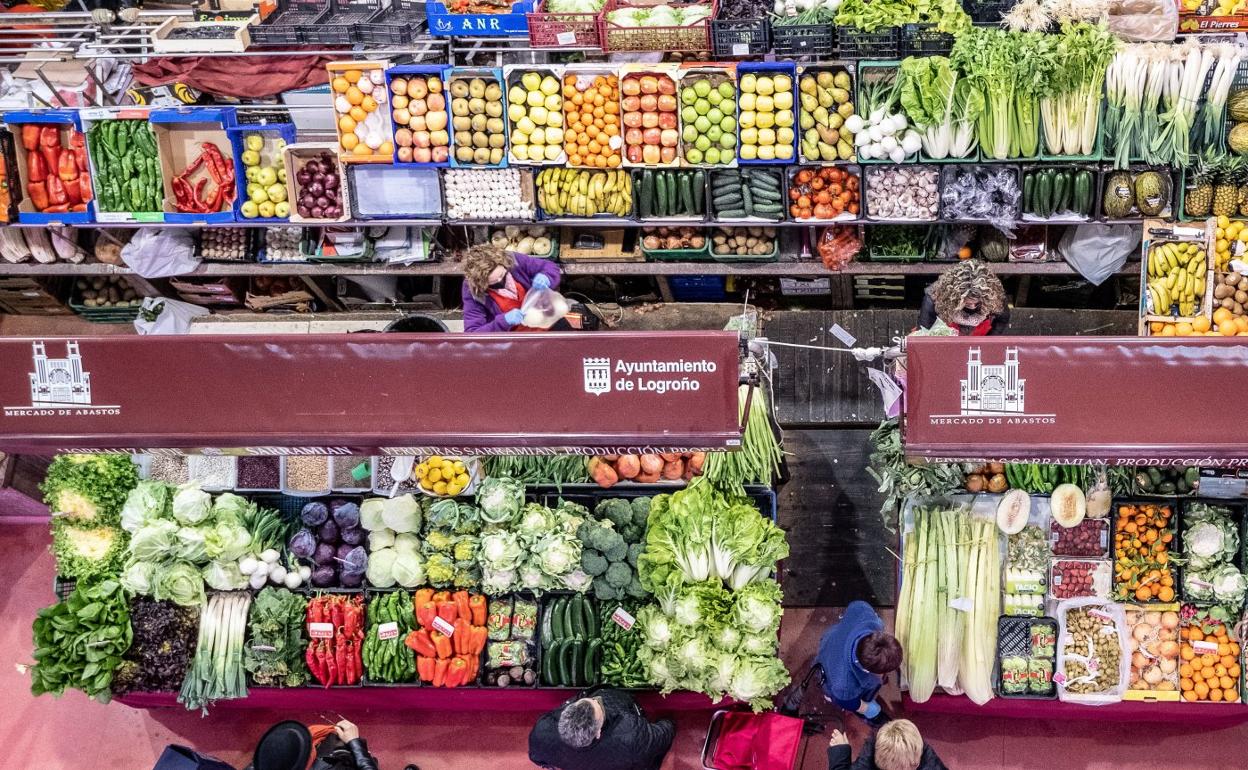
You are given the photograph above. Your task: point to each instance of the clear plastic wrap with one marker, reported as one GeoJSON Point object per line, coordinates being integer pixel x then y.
{"type": "Point", "coordinates": [981, 194]}
{"type": "Point", "coordinates": [1086, 667]}
{"type": "Point", "coordinates": [1143, 21]}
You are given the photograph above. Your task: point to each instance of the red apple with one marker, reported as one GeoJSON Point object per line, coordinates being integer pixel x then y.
{"type": "Point", "coordinates": [649, 84]}
{"type": "Point", "coordinates": [669, 137]}
{"type": "Point", "coordinates": [632, 119]}
{"type": "Point", "coordinates": [667, 85]}
{"type": "Point", "coordinates": [667, 154]}
{"type": "Point", "coordinates": [634, 154]}
{"type": "Point", "coordinates": [667, 120]}
{"type": "Point", "coordinates": [634, 136]}
{"type": "Point", "coordinates": [631, 103]}
{"type": "Point", "coordinates": [649, 102]}
{"type": "Point", "coordinates": [667, 103]}
{"type": "Point", "coordinates": [630, 86]}
{"type": "Point", "coordinates": [652, 135]}
{"type": "Point", "coordinates": [649, 119]}
{"type": "Point", "coordinates": [650, 154]}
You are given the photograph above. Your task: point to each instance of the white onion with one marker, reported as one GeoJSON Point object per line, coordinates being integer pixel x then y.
{"type": "Point", "coordinates": [897, 155]}
{"type": "Point", "coordinates": [875, 133]}
{"type": "Point", "coordinates": [305, 573]}
{"type": "Point", "coordinates": [258, 580]}
{"type": "Point", "coordinates": [247, 565]}
{"type": "Point", "coordinates": [277, 574]}
{"type": "Point", "coordinates": [270, 556]}
{"type": "Point", "coordinates": [853, 123]}
{"type": "Point", "coordinates": [889, 143]}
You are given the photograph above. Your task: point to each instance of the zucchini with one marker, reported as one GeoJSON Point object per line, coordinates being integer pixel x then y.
{"type": "Point", "coordinates": [1083, 192]}
{"type": "Point", "coordinates": [550, 664]}
{"type": "Point", "coordinates": [1044, 194]}
{"type": "Point", "coordinates": [747, 201]}
{"type": "Point", "coordinates": [1061, 191]}
{"type": "Point", "coordinates": [577, 663]}
{"type": "Point", "coordinates": [591, 619]}
{"type": "Point", "coordinates": [1029, 193]}
{"type": "Point", "coordinates": [646, 202]}
{"type": "Point", "coordinates": [686, 194]}
{"type": "Point", "coordinates": [661, 204]}
{"type": "Point", "coordinates": [576, 616]}
{"type": "Point", "coordinates": [567, 652]}
{"type": "Point", "coordinates": [557, 629]}
{"type": "Point", "coordinates": [699, 192]}
{"type": "Point", "coordinates": [548, 634]}
{"type": "Point", "coordinates": [593, 653]}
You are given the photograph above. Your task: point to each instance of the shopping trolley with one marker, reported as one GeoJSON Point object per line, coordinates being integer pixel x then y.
{"type": "Point", "coordinates": [743, 740]}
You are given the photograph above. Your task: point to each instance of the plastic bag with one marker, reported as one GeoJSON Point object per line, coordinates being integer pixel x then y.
{"type": "Point", "coordinates": [1143, 20]}
{"type": "Point", "coordinates": [158, 315]}
{"type": "Point", "coordinates": [1076, 650]}
{"type": "Point", "coordinates": [1099, 251]}
{"type": "Point", "coordinates": [161, 253]}
{"type": "Point", "coordinates": [542, 308]}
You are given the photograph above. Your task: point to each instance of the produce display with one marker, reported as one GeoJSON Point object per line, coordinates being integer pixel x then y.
{"type": "Point", "coordinates": [838, 245]}
{"type": "Point", "coordinates": [758, 461]}
{"type": "Point", "coordinates": [443, 476]}
{"type": "Point", "coordinates": [57, 175]}
{"type": "Point", "coordinates": [710, 138]}
{"type": "Point", "coordinates": [394, 548]}
{"type": "Point", "coordinates": [331, 543]}
{"type": "Point", "coordinates": [1092, 653]}
{"type": "Point", "coordinates": [592, 137]}
{"type": "Point", "coordinates": [391, 617]}
{"type": "Point", "coordinates": [650, 117]}
{"type": "Point", "coordinates": [217, 671]}
{"type": "Point", "coordinates": [611, 543]}
{"type": "Point", "coordinates": [106, 291]}
{"type": "Point", "coordinates": [449, 638]}
{"type": "Point", "coordinates": [885, 134]}
{"type": "Point", "coordinates": [80, 642]}
{"type": "Point", "coordinates": [581, 193]}
{"type": "Point", "coordinates": [1128, 195]}
{"type": "Point", "coordinates": [673, 239]}
{"type": "Point", "coordinates": [317, 185]}
{"type": "Point", "coordinates": [556, 470]}
{"type": "Point", "coordinates": [989, 477]}
{"type": "Point", "coordinates": [127, 167]}
{"type": "Point", "coordinates": [1058, 193]}
{"type": "Point", "coordinates": [753, 193]}
{"type": "Point", "coordinates": [486, 194]}
{"type": "Point", "coordinates": [224, 244]}
{"type": "Point", "coordinates": [903, 192]}
{"type": "Point", "coordinates": [206, 184]}
{"type": "Point", "coordinates": [479, 133]}
{"type": "Point", "coordinates": [608, 470]}
{"type": "Point", "coordinates": [510, 653]}
{"type": "Point", "coordinates": [1210, 667]}
{"type": "Point", "coordinates": [305, 474]}
{"type": "Point", "coordinates": [1154, 648]}
{"type": "Point", "coordinates": [669, 193]}
{"type": "Point", "coordinates": [361, 104]}
{"type": "Point", "coordinates": [1089, 537]}
{"type": "Point", "coordinates": [535, 114]}
{"type": "Point", "coordinates": [1171, 480]}
{"type": "Point", "coordinates": [1027, 651]}
{"type": "Point", "coordinates": [536, 241]}
{"type": "Point", "coordinates": [274, 654]}
{"type": "Point", "coordinates": [1041, 478]}
{"type": "Point", "coordinates": [1142, 536]}
{"type": "Point", "coordinates": [826, 105]}
{"type": "Point", "coordinates": [451, 544]}
{"type": "Point", "coordinates": [943, 105]}
{"type": "Point", "coordinates": [766, 116]}
{"type": "Point", "coordinates": [335, 624]}
{"type": "Point", "coordinates": [571, 645]}
{"type": "Point", "coordinates": [1176, 276]}
{"type": "Point", "coordinates": [825, 193]}
{"type": "Point", "coordinates": [979, 193]}
{"type": "Point", "coordinates": [266, 176]}
{"type": "Point", "coordinates": [621, 648]}
{"type": "Point", "coordinates": [420, 119]}
{"type": "Point", "coordinates": [1026, 570]}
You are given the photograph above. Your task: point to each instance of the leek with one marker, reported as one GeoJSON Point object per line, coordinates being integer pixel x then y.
{"type": "Point", "coordinates": [217, 670]}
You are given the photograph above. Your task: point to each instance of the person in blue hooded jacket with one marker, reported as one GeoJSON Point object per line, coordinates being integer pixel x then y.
{"type": "Point", "coordinates": [855, 654]}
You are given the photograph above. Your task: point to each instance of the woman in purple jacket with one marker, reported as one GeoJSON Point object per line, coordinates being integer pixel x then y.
{"type": "Point", "coordinates": [495, 284]}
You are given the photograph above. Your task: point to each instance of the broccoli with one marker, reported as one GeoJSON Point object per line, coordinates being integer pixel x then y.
{"type": "Point", "coordinates": [635, 590]}
{"type": "Point", "coordinates": [618, 552]}
{"type": "Point", "coordinates": [634, 551]}
{"type": "Point", "coordinates": [618, 574]}
{"type": "Point", "coordinates": [605, 592]}
{"type": "Point", "coordinates": [602, 537]}
{"type": "Point", "coordinates": [593, 562]}
{"type": "Point", "coordinates": [641, 511]}
{"type": "Point", "coordinates": [616, 510]}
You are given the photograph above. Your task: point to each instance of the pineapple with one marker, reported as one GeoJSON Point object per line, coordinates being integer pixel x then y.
{"type": "Point", "coordinates": [1226, 187]}
{"type": "Point", "coordinates": [1199, 200]}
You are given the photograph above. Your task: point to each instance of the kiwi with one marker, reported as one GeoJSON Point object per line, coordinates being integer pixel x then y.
{"type": "Point", "coordinates": [1241, 296]}
{"type": "Point", "coordinates": [1222, 291]}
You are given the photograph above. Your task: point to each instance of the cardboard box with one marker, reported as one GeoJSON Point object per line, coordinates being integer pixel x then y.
{"type": "Point", "coordinates": [180, 134]}
{"type": "Point", "coordinates": [382, 97]}
{"type": "Point", "coordinates": [294, 156]}
{"type": "Point", "coordinates": [67, 123]}
{"type": "Point", "coordinates": [578, 244]}
{"type": "Point", "coordinates": [91, 118]}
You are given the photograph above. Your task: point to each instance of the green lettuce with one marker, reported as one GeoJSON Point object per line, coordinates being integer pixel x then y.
{"type": "Point", "coordinates": [146, 502]}
{"type": "Point", "coordinates": [179, 582]}
{"type": "Point", "coordinates": [89, 489]}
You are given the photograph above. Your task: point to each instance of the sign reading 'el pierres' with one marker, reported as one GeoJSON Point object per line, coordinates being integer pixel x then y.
{"type": "Point", "coordinates": [403, 394]}
{"type": "Point", "coordinates": [1074, 399]}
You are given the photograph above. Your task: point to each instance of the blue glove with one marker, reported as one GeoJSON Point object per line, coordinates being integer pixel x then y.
{"type": "Point", "coordinates": [873, 710]}
{"type": "Point", "coordinates": [514, 317]}
{"type": "Point", "coordinates": [540, 281]}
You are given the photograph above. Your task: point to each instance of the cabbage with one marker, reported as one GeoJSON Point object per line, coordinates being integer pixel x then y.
{"type": "Point", "coordinates": [380, 572]}
{"type": "Point", "coordinates": [500, 499]}
{"type": "Point", "coordinates": [557, 554]}
{"type": "Point", "coordinates": [1210, 540]}
{"type": "Point", "coordinates": [180, 583]}
{"type": "Point", "coordinates": [757, 680]}
{"type": "Point", "coordinates": [409, 570]}
{"type": "Point", "coordinates": [406, 544]}
{"type": "Point", "coordinates": [1229, 585]}
{"type": "Point", "coordinates": [145, 503]}
{"type": "Point", "coordinates": [535, 521]}
{"type": "Point", "coordinates": [154, 541]}
{"type": "Point", "coordinates": [370, 513]}
{"type": "Point", "coordinates": [577, 580]}
{"type": "Point", "coordinates": [227, 542]}
{"type": "Point", "coordinates": [231, 508]}
{"type": "Point", "coordinates": [137, 579]}
{"type": "Point", "coordinates": [757, 609]}
{"type": "Point", "coordinates": [191, 505]}
{"type": "Point", "coordinates": [224, 576]}
{"type": "Point", "coordinates": [756, 644]}
{"type": "Point", "coordinates": [380, 538]}
{"type": "Point", "coordinates": [656, 628]}
{"type": "Point", "coordinates": [401, 514]}
{"type": "Point", "coordinates": [500, 551]}
{"type": "Point", "coordinates": [572, 6]}
{"type": "Point", "coordinates": [191, 545]}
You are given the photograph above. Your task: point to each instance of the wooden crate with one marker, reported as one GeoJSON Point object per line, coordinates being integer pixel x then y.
{"type": "Point", "coordinates": [22, 295]}
{"type": "Point", "coordinates": [607, 245]}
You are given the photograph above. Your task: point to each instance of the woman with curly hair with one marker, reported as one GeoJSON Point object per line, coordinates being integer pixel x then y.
{"type": "Point", "coordinates": [969, 298]}
{"type": "Point", "coordinates": [495, 285]}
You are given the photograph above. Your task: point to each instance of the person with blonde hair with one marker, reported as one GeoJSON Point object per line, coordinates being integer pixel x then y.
{"type": "Point", "coordinates": [495, 285]}
{"type": "Point", "coordinates": [895, 746]}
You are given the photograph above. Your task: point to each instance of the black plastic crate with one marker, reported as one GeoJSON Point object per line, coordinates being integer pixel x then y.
{"type": "Point", "coordinates": [290, 22]}
{"type": "Point", "coordinates": [1014, 640]}
{"type": "Point", "coordinates": [804, 39]}
{"type": "Point", "coordinates": [925, 40]}
{"type": "Point", "coordinates": [740, 37]}
{"type": "Point", "coordinates": [987, 11]}
{"type": "Point", "coordinates": [398, 22]}
{"type": "Point", "coordinates": [339, 27]}
{"type": "Point", "coordinates": [856, 44]}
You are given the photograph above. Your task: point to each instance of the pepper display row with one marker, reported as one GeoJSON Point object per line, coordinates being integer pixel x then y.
{"type": "Point", "coordinates": [125, 156]}
{"type": "Point", "coordinates": [448, 659]}
{"type": "Point", "coordinates": [192, 196]}
{"type": "Point", "coordinates": [390, 619]}
{"type": "Point", "coordinates": [57, 177]}
{"type": "Point", "coordinates": [1050, 192]}
{"type": "Point", "coordinates": [336, 660]}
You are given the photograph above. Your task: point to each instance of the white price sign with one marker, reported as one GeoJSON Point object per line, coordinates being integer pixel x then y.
{"type": "Point", "coordinates": [388, 631]}
{"type": "Point", "coordinates": [320, 630]}
{"type": "Point", "coordinates": [441, 625]}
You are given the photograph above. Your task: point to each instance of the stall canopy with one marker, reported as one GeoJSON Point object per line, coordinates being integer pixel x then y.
{"type": "Point", "coordinates": [1076, 399]}
{"type": "Point", "coordinates": [372, 393]}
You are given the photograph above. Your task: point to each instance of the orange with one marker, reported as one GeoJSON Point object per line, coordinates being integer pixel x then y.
{"type": "Point", "coordinates": [340, 85]}
{"type": "Point", "coordinates": [354, 95]}
{"type": "Point", "coordinates": [1183, 329]}
{"type": "Point", "coordinates": [1202, 324]}
{"type": "Point", "coordinates": [1219, 670]}
{"type": "Point", "coordinates": [1230, 695]}
{"type": "Point", "coordinates": [1185, 670]}
{"type": "Point", "coordinates": [368, 103]}
{"type": "Point", "coordinates": [346, 124]}
{"type": "Point", "coordinates": [362, 149]}
{"type": "Point", "coordinates": [1166, 594]}
{"type": "Point", "coordinates": [1201, 689]}
{"type": "Point", "coordinates": [1225, 682]}
{"type": "Point", "coordinates": [1215, 695]}
{"type": "Point", "coordinates": [1222, 314]}
{"type": "Point", "coordinates": [1153, 327]}
{"type": "Point", "coordinates": [1241, 323]}
{"type": "Point", "coordinates": [352, 76]}
{"type": "Point", "coordinates": [349, 141]}
{"type": "Point", "coordinates": [358, 114]}
{"type": "Point", "coordinates": [1187, 653]}
{"type": "Point", "coordinates": [1189, 695]}
{"type": "Point", "coordinates": [387, 148]}
{"type": "Point", "coordinates": [1195, 634]}
{"type": "Point", "coordinates": [1228, 329]}
{"type": "Point", "coordinates": [1167, 331]}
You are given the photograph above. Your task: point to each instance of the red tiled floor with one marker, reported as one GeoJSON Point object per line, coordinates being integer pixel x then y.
{"type": "Point", "coordinates": [73, 732]}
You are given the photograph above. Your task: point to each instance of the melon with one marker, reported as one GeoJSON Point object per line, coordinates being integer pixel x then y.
{"type": "Point", "coordinates": [1068, 505]}
{"type": "Point", "coordinates": [1013, 511]}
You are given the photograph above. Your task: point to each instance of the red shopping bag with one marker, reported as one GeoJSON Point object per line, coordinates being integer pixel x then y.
{"type": "Point", "coordinates": [749, 741]}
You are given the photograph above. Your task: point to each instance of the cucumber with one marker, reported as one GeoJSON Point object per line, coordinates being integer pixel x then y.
{"type": "Point", "coordinates": [764, 182]}
{"type": "Point", "coordinates": [686, 194]}
{"type": "Point", "coordinates": [1029, 193]}
{"type": "Point", "coordinates": [576, 664]}
{"type": "Point", "coordinates": [562, 630]}
{"type": "Point", "coordinates": [646, 199]}
{"type": "Point", "coordinates": [764, 209]}
{"type": "Point", "coordinates": [699, 192]}
{"type": "Point", "coordinates": [661, 189]}
{"type": "Point", "coordinates": [593, 654]}
{"type": "Point", "coordinates": [747, 201]}
{"type": "Point", "coordinates": [567, 652]}
{"type": "Point", "coordinates": [591, 619]}
{"type": "Point", "coordinates": [730, 213]}
{"type": "Point", "coordinates": [576, 616]}
{"type": "Point", "coordinates": [1083, 192]}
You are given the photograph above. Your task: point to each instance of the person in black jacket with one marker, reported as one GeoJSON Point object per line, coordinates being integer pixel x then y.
{"type": "Point", "coordinates": [291, 745]}
{"type": "Point", "coordinates": [895, 746]}
{"type": "Point", "coordinates": [600, 729]}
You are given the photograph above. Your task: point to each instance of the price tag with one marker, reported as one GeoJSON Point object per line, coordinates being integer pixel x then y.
{"type": "Point", "coordinates": [1204, 646]}
{"type": "Point", "coordinates": [320, 630]}
{"type": "Point", "coordinates": [440, 624]}
{"type": "Point", "coordinates": [842, 334]}
{"type": "Point", "coordinates": [566, 38]}
{"type": "Point", "coordinates": [1094, 664]}
{"type": "Point", "coordinates": [623, 619]}
{"type": "Point", "coordinates": [962, 604]}
{"type": "Point", "coordinates": [615, 142]}
{"type": "Point", "coordinates": [1057, 578]}
{"type": "Point", "coordinates": [388, 631]}
{"type": "Point", "coordinates": [740, 49]}
{"type": "Point", "coordinates": [1059, 678]}
{"type": "Point", "coordinates": [1101, 614]}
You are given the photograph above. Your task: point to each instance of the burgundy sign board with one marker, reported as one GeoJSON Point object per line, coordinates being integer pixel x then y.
{"type": "Point", "coordinates": [1122, 400]}
{"type": "Point", "coordinates": [388, 393]}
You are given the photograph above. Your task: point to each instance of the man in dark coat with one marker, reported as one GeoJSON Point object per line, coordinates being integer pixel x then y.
{"type": "Point", "coordinates": [896, 746]}
{"type": "Point", "coordinates": [600, 730]}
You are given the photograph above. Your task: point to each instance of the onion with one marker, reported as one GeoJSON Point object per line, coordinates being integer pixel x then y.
{"type": "Point", "coordinates": [304, 211]}
{"type": "Point", "coordinates": [317, 213]}
{"type": "Point", "coordinates": [330, 181]}
{"type": "Point", "coordinates": [322, 201]}
{"type": "Point", "coordinates": [316, 188]}
{"type": "Point", "coordinates": [313, 167]}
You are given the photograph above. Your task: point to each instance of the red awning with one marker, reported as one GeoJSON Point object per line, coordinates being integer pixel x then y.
{"type": "Point", "coordinates": [397, 393]}
{"type": "Point", "coordinates": [1123, 400]}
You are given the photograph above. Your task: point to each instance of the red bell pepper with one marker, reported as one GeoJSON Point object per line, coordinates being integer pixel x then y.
{"type": "Point", "coordinates": [439, 672]}
{"type": "Point", "coordinates": [442, 644]}
{"type": "Point", "coordinates": [448, 611]}
{"type": "Point", "coordinates": [50, 147]}
{"type": "Point", "coordinates": [67, 169]}
{"type": "Point", "coordinates": [478, 636]}
{"type": "Point", "coordinates": [425, 613]}
{"type": "Point", "coordinates": [78, 144]}
{"type": "Point", "coordinates": [421, 596]}
{"type": "Point", "coordinates": [421, 643]}
{"type": "Point", "coordinates": [424, 668]}
{"type": "Point", "coordinates": [38, 192]}
{"type": "Point", "coordinates": [461, 604]}
{"type": "Point", "coordinates": [462, 637]}
{"type": "Point", "coordinates": [56, 191]}
{"type": "Point", "coordinates": [72, 192]}
{"type": "Point", "coordinates": [84, 185]}
{"type": "Point", "coordinates": [456, 672]}
{"type": "Point", "coordinates": [441, 596]}
{"type": "Point", "coordinates": [477, 605]}
{"type": "Point", "coordinates": [30, 136]}
{"type": "Point", "coordinates": [36, 171]}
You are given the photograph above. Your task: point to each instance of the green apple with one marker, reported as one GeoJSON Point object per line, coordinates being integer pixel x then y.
{"type": "Point", "coordinates": [251, 172]}
{"type": "Point", "coordinates": [281, 174]}
{"type": "Point", "coordinates": [250, 210]}
{"type": "Point", "coordinates": [251, 158]}
{"type": "Point", "coordinates": [254, 142]}
{"type": "Point", "coordinates": [258, 194]}
{"type": "Point", "coordinates": [282, 209]}
{"type": "Point", "coordinates": [277, 192]}
{"type": "Point", "coordinates": [267, 209]}
{"type": "Point", "coordinates": [267, 176]}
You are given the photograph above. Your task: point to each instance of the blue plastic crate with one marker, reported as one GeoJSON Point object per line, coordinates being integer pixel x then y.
{"type": "Point", "coordinates": [285, 131]}
{"type": "Point", "coordinates": [443, 23]}
{"type": "Point", "coordinates": [698, 288]}
{"type": "Point", "coordinates": [485, 73]}
{"type": "Point", "coordinates": [441, 70]}
{"type": "Point", "coordinates": [68, 119]}
{"type": "Point", "coordinates": [788, 69]}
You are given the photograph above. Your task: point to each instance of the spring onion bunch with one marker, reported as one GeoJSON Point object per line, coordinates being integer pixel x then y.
{"type": "Point", "coordinates": [758, 460]}
{"type": "Point", "coordinates": [1190, 64]}
{"type": "Point", "coordinates": [217, 671]}
{"type": "Point", "coordinates": [1071, 109]}
{"type": "Point", "coordinates": [1213, 113]}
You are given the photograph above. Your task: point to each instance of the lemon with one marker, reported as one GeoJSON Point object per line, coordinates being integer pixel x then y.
{"type": "Point", "coordinates": [453, 489]}
{"type": "Point", "coordinates": [434, 475]}
{"type": "Point", "coordinates": [461, 480]}
{"type": "Point", "coordinates": [439, 488]}
{"type": "Point", "coordinates": [448, 469]}
{"type": "Point", "coordinates": [421, 471]}
{"type": "Point", "coordinates": [434, 460]}
{"type": "Point", "coordinates": [459, 466]}
{"type": "Point", "coordinates": [426, 484]}
{"type": "Point", "coordinates": [1224, 222]}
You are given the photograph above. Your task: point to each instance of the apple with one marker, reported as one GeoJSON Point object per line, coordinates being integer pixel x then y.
{"type": "Point", "coordinates": [251, 158]}
{"type": "Point", "coordinates": [250, 210]}
{"type": "Point", "coordinates": [254, 142]}
{"type": "Point", "coordinates": [267, 209]}
{"type": "Point", "coordinates": [277, 192]}
{"type": "Point", "coordinates": [258, 194]}
{"type": "Point", "coordinates": [267, 176]}
{"type": "Point", "coordinates": [281, 209]}
{"type": "Point", "coordinates": [251, 172]}
{"type": "Point", "coordinates": [281, 174]}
